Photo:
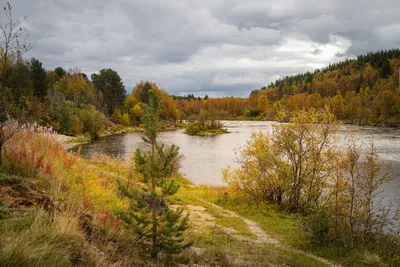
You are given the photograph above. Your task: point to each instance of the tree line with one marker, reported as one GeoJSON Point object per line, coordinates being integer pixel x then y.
{"type": "Point", "coordinates": [360, 91]}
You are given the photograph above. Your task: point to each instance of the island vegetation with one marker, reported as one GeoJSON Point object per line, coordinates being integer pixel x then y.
{"type": "Point", "coordinates": [295, 198]}
{"type": "Point", "coordinates": [205, 125]}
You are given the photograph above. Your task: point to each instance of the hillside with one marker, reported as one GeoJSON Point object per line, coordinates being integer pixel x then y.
{"type": "Point", "coordinates": [359, 91]}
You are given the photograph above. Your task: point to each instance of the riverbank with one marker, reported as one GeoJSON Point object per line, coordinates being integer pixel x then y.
{"type": "Point", "coordinates": [71, 204]}
{"type": "Point", "coordinates": [70, 142]}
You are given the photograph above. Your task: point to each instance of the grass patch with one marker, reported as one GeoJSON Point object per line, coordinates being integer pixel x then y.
{"type": "Point", "coordinates": [221, 249]}
{"type": "Point", "coordinates": [7, 179]}
{"type": "Point", "coordinates": [43, 241]}
{"type": "Point", "coordinates": [78, 139]}
{"type": "Point", "coordinates": [235, 223]}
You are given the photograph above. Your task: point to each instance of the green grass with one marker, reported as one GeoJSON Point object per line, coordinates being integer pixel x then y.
{"type": "Point", "coordinates": [235, 223]}
{"type": "Point", "coordinates": [221, 249]}
{"type": "Point", "coordinates": [7, 179]}
{"type": "Point", "coordinates": [78, 139]}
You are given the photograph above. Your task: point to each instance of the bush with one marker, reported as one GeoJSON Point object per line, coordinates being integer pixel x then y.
{"type": "Point", "coordinates": [72, 120]}
{"type": "Point", "coordinates": [317, 226]}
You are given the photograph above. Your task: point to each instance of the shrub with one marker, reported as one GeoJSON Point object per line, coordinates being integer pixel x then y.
{"type": "Point", "coordinates": [72, 120]}
{"type": "Point", "coordinates": [316, 224]}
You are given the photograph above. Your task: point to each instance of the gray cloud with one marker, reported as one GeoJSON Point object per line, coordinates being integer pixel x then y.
{"type": "Point", "coordinates": [224, 47]}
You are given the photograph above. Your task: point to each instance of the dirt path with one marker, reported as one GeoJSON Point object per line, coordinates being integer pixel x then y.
{"type": "Point", "coordinates": [264, 238]}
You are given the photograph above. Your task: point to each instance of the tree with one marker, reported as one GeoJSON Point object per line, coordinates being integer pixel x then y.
{"type": "Point", "coordinates": [110, 84]}
{"type": "Point", "coordinates": [263, 104]}
{"type": "Point", "coordinates": [60, 72]}
{"type": "Point", "coordinates": [137, 113]}
{"type": "Point", "coordinates": [372, 176]}
{"type": "Point", "coordinates": [337, 104]}
{"type": "Point", "coordinates": [75, 87]}
{"type": "Point", "coordinates": [158, 229]}
{"type": "Point", "coordinates": [141, 92]}
{"type": "Point", "coordinates": [19, 84]}
{"type": "Point", "coordinates": [292, 167]}
{"type": "Point", "coordinates": [39, 78]}
{"type": "Point", "coordinates": [12, 46]}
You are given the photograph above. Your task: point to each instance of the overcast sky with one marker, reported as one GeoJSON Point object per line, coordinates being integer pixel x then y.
{"type": "Point", "coordinates": [214, 47]}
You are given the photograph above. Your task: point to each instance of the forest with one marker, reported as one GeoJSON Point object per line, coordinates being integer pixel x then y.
{"type": "Point", "coordinates": [361, 91]}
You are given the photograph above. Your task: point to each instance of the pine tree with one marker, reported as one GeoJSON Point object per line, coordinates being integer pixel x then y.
{"type": "Point", "coordinates": [158, 229]}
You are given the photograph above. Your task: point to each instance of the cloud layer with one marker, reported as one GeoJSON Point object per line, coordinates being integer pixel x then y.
{"type": "Point", "coordinates": [214, 47]}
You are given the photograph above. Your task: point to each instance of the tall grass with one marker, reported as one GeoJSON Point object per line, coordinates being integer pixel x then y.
{"type": "Point", "coordinates": [44, 240]}
{"type": "Point", "coordinates": [79, 228]}
{"type": "Point", "coordinates": [29, 153]}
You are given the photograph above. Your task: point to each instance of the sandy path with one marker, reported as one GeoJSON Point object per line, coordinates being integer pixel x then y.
{"type": "Point", "coordinates": [264, 238]}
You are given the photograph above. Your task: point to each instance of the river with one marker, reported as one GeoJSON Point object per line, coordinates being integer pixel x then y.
{"type": "Point", "coordinates": [204, 157]}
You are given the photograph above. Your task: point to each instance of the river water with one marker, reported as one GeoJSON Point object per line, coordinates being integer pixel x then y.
{"type": "Point", "coordinates": [204, 157]}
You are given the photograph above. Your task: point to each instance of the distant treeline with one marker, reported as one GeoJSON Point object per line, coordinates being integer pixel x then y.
{"type": "Point", "coordinates": [362, 90]}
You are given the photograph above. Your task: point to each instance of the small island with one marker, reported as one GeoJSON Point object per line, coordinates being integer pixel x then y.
{"type": "Point", "coordinates": [205, 128]}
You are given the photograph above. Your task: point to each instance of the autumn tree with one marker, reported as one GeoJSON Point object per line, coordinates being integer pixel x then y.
{"type": "Point", "coordinates": [263, 104]}
{"type": "Point", "coordinates": [372, 176]}
{"type": "Point", "coordinates": [292, 167]}
{"type": "Point", "coordinates": [141, 92]}
{"type": "Point", "coordinates": [337, 105]}
{"type": "Point", "coordinates": [73, 86]}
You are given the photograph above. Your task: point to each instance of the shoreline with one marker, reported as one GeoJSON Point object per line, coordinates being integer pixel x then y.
{"type": "Point", "coordinates": [70, 142]}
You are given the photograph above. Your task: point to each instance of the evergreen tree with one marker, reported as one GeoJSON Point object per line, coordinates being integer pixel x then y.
{"type": "Point", "coordinates": [39, 78]}
{"type": "Point", "coordinates": [109, 83]}
{"type": "Point", "coordinates": [60, 72]}
{"type": "Point", "coordinates": [158, 229]}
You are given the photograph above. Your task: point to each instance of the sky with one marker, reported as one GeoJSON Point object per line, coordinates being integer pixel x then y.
{"type": "Point", "coordinates": [214, 47]}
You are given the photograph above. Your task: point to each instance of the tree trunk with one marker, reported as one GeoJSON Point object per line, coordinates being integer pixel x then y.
{"type": "Point", "coordinates": [154, 207]}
